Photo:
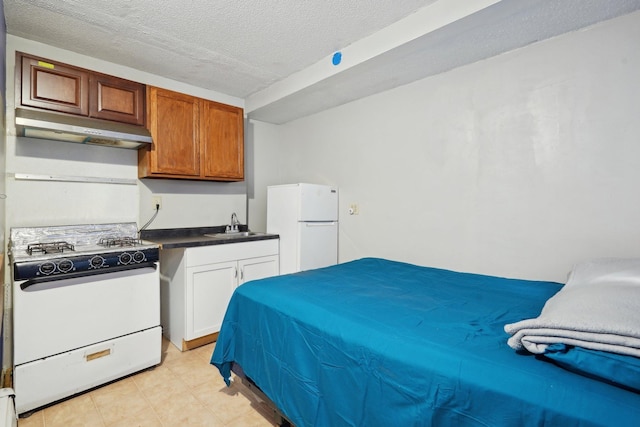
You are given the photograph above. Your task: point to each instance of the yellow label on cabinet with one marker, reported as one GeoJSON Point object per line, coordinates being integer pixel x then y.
{"type": "Point", "coordinates": [46, 65]}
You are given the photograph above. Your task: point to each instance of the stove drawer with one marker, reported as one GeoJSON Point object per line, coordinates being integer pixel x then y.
{"type": "Point", "coordinates": [47, 380]}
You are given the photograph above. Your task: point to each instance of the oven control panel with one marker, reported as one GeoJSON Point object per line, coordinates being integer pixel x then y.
{"type": "Point", "coordinates": [88, 263]}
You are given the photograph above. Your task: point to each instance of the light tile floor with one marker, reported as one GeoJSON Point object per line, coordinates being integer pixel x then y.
{"type": "Point", "coordinates": [184, 390]}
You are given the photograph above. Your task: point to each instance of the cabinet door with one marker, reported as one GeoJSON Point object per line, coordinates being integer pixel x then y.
{"type": "Point", "coordinates": [209, 289]}
{"type": "Point", "coordinates": [173, 123]}
{"type": "Point", "coordinates": [222, 139]}
{"type": "Point", "coordinates": [258, 268]}
{"type": "Point", "coordinates": [111, 98]}
{"type": "Point", "coordinates": [53, 86]}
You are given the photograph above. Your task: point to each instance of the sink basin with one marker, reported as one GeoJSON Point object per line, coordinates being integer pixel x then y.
{"type": "Point", "coordinates": [234, 235]}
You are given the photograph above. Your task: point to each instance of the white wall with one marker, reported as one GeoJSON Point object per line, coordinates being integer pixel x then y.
{"type": "Point", "coordinates": [192, 203]}
{"type": "Point", "coordinates": [262, 160]}
{"type": "Point", "coordinates": [184, 203]}
{"type": "Point", "coordinates": [519, 165]}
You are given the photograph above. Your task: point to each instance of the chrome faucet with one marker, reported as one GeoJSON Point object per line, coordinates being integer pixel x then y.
{"type": "Point", "coordinates": [233, 228]}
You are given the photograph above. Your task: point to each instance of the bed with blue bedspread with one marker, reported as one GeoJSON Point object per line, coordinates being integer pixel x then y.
{"type": "Point", "coordinates": [375, 342]}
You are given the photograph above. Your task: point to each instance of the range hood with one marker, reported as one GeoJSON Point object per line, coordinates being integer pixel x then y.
{"type": "Point", "coordinates": [84, 130]}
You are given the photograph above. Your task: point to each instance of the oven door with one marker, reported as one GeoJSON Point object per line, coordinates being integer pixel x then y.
{"type": "Point", "coordinates": [61, 315]}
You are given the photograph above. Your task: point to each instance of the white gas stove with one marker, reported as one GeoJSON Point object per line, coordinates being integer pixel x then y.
{"type": "Point", "coordinates": [86, 309]}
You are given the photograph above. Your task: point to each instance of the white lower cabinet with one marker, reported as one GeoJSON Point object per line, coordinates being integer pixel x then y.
{"type": "Point", "coordinates": [209, 289]}
{"type": "Point", "coordinates": [197, 284]}
{"type": "Point", "coordinates": [257, 268]}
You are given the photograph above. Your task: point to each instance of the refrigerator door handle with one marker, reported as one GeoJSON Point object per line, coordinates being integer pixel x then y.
{"type": "Point", "coordinates": [321, 224]}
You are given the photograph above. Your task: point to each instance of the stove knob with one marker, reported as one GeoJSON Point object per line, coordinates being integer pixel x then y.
{"type": "Point", "coordinates": [65, 265]}
{"type": "Point", "coordinates": [138, 257]}
{"type": "Point", "coordinates": [47, 268]}
{"type": "Point", "coordinates": [96, 262]}
{"type": "Point", "coordinates": [125, 258]}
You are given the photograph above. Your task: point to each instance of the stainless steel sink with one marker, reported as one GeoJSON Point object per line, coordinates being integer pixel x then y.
{"type": "Point", "coordinates": [235, 235]}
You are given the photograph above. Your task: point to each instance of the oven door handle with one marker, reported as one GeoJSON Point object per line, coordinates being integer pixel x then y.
{"type": "Point", "coordinates": [26, 284]}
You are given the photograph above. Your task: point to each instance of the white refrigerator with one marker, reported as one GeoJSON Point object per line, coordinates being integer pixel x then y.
{"type": "Point", "coordinates": [306, 218]}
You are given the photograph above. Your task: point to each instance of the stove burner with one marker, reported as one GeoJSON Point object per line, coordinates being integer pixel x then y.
{"type": "Point", "coordinates": [49, 248]}
{"type": "Point", "coordinates": [119, 241]}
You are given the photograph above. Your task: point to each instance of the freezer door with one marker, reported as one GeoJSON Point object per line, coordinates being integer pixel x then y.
{"type": "Point", "coordinates": [318, 203]}
{"type": "Point", "coordinates": [318, 244]}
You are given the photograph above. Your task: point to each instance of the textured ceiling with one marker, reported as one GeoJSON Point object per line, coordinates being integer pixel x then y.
{"type": "Point", "coordinates": [236, 47]}
{"type": "Point", "coordinates": [275, 55]}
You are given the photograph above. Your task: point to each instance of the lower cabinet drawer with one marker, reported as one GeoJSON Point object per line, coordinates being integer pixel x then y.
{"type": "Point", "coordinates": [53, 378]}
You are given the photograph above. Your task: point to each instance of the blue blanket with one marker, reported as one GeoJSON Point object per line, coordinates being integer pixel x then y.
{"type": "Point", "coordinates": [379, 343]}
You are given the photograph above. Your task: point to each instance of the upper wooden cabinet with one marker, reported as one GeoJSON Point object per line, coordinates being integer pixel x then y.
{"type": "Point", "coordinates": [193, 138]}
{"type": "Point", "coordinates": [111, 98]}
{"type": "Point", "coordinates": [42, 83]}
{"type": "Point", "coordinates": [51, 85]}
{"type": "Point", "coordinates": [173, 120]}
{"type": "Point", "coordinates": [222, 141]}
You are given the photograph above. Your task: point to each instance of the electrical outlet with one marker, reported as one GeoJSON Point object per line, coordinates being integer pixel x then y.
{"type": "Point", "coordinates": [354, 209]}
{"type": "Point", "coordinates": [156, 200]}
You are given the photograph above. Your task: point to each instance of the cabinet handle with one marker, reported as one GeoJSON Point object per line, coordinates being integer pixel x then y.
{"type": "Point", "coordinates": [241, 274]}
{"type": "Point", "coordinates": [236, 275]}
{"type": "Point", "coordinates": [97, 355]}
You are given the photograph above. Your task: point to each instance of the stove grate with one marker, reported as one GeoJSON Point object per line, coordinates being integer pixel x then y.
{"type": "Point", "coordinates": [49, 247]}
{"type": "Point", "coordinates": [120, 241]}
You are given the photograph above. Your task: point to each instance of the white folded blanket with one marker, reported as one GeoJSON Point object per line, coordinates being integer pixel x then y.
{"type": "Point", "coordinates": [598, 309]}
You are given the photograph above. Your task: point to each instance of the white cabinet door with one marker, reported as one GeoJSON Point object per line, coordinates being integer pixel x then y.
{"type": "Point", "coordinates": [257, 268]}
{"type": "Point", "coordinates": [209, 289]}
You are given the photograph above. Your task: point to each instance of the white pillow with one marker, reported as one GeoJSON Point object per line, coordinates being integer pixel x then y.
{"type": "Point", "coordinates": [609, 270]}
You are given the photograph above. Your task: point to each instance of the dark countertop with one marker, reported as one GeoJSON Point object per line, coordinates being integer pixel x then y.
{"type": "Point", "coordinates": [174, 238]}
